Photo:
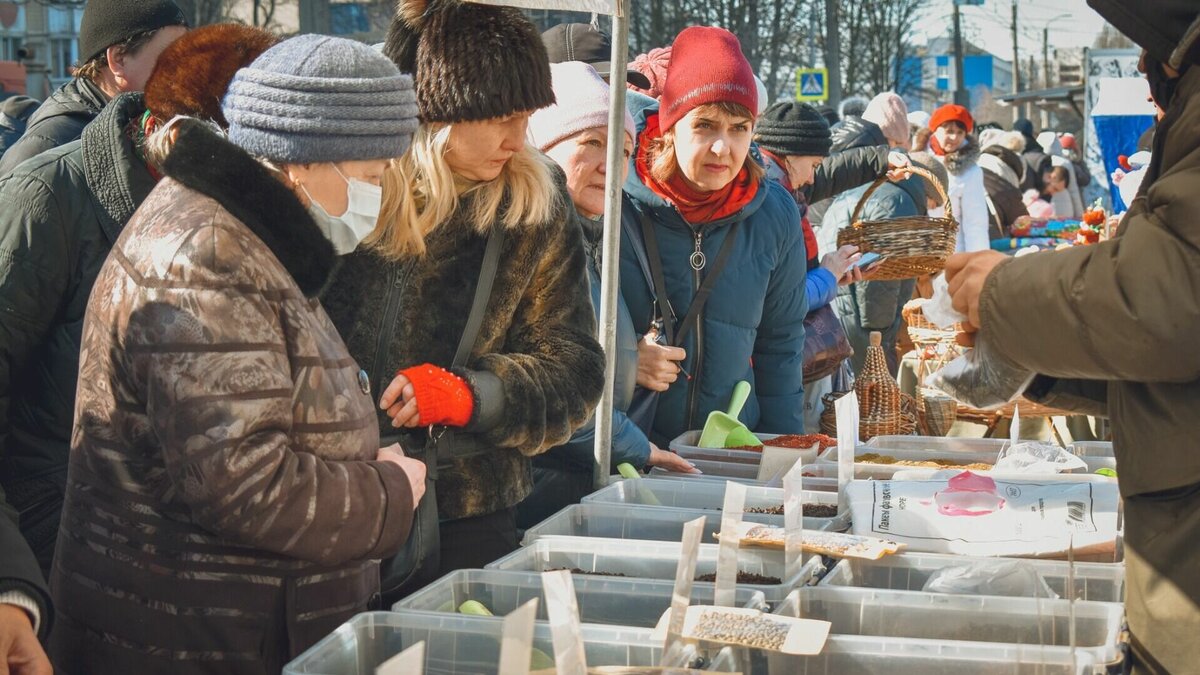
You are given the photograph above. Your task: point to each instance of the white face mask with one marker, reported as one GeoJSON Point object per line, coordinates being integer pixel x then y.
{"type": "Point", "coordinates": [346, 231]}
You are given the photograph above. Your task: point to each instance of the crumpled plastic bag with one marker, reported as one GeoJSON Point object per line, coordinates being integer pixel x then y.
{"type": "Point", "coordinates": [1010, 578]}
{"type": "Point", "coordinates": [981, 377]}
{"type": "Point", "coordinates": [939, 309]}
{"type": "Point", "coordinates": [1037, 457]}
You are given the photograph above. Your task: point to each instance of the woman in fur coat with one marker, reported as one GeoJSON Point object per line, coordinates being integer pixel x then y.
{"type": "Point", "coordinates": [535, 370]}
{"type": "Point", "coordinates": [956, 148]}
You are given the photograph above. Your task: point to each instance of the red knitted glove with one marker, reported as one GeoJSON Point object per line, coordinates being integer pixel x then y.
{"type": "Point", "coordinates": [442, 397]}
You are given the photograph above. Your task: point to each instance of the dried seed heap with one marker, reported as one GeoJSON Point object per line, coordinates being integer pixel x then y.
{"type": "Point", "coordinates": [743, 629]}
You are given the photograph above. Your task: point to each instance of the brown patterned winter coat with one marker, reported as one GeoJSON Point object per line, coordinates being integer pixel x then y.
{"type": "Point", "coordinates": [536, 369]}
{"type": "Point", "coordinates": [222, 512]}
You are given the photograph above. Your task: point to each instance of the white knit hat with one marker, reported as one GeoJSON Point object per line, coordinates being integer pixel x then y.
{"type": "Point", "coordinates": [582, 99]}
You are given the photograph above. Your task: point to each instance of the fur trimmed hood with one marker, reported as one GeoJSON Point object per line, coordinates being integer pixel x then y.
{"type": "Point", "coordinates": [207, 163]}
{"type": "Point", "coordinates": [962, 159]}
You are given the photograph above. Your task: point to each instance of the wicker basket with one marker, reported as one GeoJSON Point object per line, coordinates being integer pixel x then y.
{"type": "Point", "coordinates": [883, 410]}
{"type": "Point", "coordinates": [938, 412]}
{"type": "Point", "coordinates": [912, 245]}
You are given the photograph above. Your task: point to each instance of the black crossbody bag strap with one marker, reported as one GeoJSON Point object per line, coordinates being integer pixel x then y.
{"type": "Point", "coordinates": [675, 336]}
{"type": "Point", "coordinates": [444, 441]}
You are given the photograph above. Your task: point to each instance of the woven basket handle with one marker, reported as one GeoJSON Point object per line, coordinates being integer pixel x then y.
{"type": "Point", "coordinates": [937, 185]}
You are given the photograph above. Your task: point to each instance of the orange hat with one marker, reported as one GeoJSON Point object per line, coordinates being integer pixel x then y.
{"type": "Point", "coordinates": [952, 113]}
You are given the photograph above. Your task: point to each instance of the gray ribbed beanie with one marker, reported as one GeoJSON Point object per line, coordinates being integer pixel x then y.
{"type": "Point", "coordinates": [314, 98]}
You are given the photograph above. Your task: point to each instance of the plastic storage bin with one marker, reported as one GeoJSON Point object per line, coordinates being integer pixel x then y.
{"type": "Point", "coordinates": [627, 521]}
{"type": "Point", "coordinates": [655, 560]}
{"type": "Point", "coordinates": [887, 471]}
{"type": "Point", "coordinates": [708, 495]}
{"type": "Point", "coordinates": [1093, 449]}
{"type": "Point", "coordinates": [909, 572]}
{"type": "Point", "coordinates": [685, 446]}
{"type": "Point", "coordinates": [455, 645]}
{"type": "Point", "coordinates": [637, 603]}
{"type": "Point", "coordinates": [985, 446]}
{"type": "Point", "coordinates": [861, 655]}
{"type": "Point", "coordinates": [962, 618]}
{"type": "Point", "coordinates": [742, 472]}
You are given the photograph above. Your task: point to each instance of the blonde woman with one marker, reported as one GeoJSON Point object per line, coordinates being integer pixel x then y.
{"type": "Point", "coordinates": [710, 219]}
{"type": "Point", "coordinates": [534, 373]}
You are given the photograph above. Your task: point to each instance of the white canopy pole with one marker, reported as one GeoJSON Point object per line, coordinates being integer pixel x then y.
{"type": "Point", "coordinates": [611, 245]}
{"type": "Point", "coordinates": [611, 250]}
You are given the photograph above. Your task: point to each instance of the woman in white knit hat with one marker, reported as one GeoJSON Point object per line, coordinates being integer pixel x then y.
{"type": "Point", "coordinates": [574, 133]}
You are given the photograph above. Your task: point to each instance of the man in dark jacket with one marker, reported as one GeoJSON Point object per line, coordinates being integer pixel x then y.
{"type": "Point", "coordinates": [1112, 329]}
{"type": "Point", "coordinates": [71, 203]}
{"type": "Point", "coordinates": [119, 40]}
{"type": "Point", "coordinates": [1036, 160]}
{"type": "Point", "coordinates": [1003, 171]}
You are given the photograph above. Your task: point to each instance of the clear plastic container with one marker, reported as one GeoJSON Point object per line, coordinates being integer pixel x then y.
{"type": "Point", "coordinates": [742, 472]}
{"type": "Point", "coordinates": [1093, 449]}
{"type": "Point", "coordinates": [708, 495]}
{"type": "Point", "coordinates": [981, 446]}
{"type": "Point", "coordinates": [614, 601]}
{"type": "Point", "coordinates": [880, 471]}
{"type": "Point", "coordinates": [862, 655]}
{"type": "Point", "coordinates": [628, 521]}
{"type": "Point", "coordinates": [909, 572]}
{"type": "Point", "coordinates": [655, 560]}
{"type": "Point", "coordinates": [685, 446]}
{"type": "Point", "coordinates": [455, 645]}
{"type": "Point", "coordinates": [962, 618]}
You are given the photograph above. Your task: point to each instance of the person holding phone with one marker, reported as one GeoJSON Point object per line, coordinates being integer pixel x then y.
{"type": "Point", "coordinates": [868, 306]}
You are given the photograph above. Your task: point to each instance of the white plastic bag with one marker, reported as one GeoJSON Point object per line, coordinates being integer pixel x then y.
{"type": "Point", "coordinates": [1036, 457]}
{"type": "Point", "coordinates": [939, 309]}
{"type": "Point", "coordinates": [981, 378]}
{"type": "Point", "coordinates": [1011, 578]}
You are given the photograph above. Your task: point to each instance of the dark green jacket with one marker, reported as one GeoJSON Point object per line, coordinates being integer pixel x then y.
{"type": "Point", "coordinates": [536, 369]}
{"type": "Point", "coordinates": [62, 212]}
{"type": "Point", "coordinates": [58, 121]}
{"type": "Point", "coordinates": [1125, 312]}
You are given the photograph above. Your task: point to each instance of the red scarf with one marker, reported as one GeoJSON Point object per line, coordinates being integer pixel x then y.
{"type": "Point", "coordinates": [695, 206]}
{"type": "Point", "coordinates": [810, 237]}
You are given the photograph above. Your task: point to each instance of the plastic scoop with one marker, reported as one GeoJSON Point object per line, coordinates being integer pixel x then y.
{"type": "Point", "coordinates": [721, 429]}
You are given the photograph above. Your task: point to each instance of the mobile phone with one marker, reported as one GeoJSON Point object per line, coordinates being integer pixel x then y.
{"type": "Point", "coordinates": [868, 260]}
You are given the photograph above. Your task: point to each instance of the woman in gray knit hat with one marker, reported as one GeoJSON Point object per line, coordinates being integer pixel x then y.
{"type": "Point", "coordinates": [227, 497]}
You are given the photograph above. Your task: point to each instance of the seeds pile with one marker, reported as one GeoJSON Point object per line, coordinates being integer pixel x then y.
{"type": "Point", "coordinates": [810, 510]}
{"type": "Point", "coordinates": [742, 629]}
{"type": "Point", "coordinates": [745, 578]}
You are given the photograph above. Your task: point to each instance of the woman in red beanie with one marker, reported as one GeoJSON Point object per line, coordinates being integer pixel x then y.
{"type": "Point", "coordinates": [713, 249]}
{"type": "Point", "coordinates": [955, 146]}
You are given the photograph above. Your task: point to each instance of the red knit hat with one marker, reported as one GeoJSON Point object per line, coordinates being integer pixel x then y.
{"type": "Point", "coordinates": [952, 113]}
{"type": "Point", "coordinates": [707, 66]}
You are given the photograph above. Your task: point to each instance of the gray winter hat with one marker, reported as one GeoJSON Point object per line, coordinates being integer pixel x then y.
{"type": "Point", "coordinates": [314, 99]}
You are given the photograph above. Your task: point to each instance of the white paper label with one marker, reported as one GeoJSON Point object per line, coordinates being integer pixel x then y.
{"type": "Point", "coordinates": [411, 661]}
{"type": "Point", "coordinates": [790, 636]}
{"type": "Point", "coordinates": [1014, 431]}
{"type": "Point", "coordinates": [776, 462]}
{"type": "Point", "coordinates": [563, 612]}
{"type": "Point", "coordinates": [727, 554]}
{"type": "Point", "coordinates": [847, 431]}
{"type": "Point", "coordinates": [685, 575]}
{"type": "Point", "coordinates": [793, 521]}
{"type": "Point", "coordinates": [517, 641]}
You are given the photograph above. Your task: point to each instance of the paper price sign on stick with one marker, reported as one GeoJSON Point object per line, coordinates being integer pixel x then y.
{"type": "Point", "coordinates": [793, 521]}
{"type": "Point", "coordinates": [847, 437]}
{"type": "Point", "coordinates": [727, 554]}
{"type": "Point", "coordinates": [685, 574]}
{"type": "Point", "coordinates": [516, 644]}
{"type": "Point", "coordinates": [563, 612]}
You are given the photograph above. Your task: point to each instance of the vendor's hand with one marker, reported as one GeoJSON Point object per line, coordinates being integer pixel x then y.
{"type": "Point", "coordinates": [658, 365]}
{"type": "Point", "coordinates": [966, 274]}
{"type": "Point", "coordinates": [669, 461]}
{"type": "Point", "coordinates": [400, 402]}
{"type": "Point", "coordinates": [840, 264]}
{"type": "Point", "coordinates": [414, 469]}
{"type": "Point", "coordinates": [899, 166]}
{"type": "Point", "coordinates": [20, 653]}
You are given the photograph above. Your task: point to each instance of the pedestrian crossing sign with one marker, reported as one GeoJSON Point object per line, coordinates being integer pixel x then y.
{"type": "Point", "coordinates": [812, 84]}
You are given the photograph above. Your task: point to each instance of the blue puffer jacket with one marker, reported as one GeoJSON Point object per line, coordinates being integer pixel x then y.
{"type": "Point", "coordinates": [753, 325]}
{"type": "Point", "coordinates": [629, 444]}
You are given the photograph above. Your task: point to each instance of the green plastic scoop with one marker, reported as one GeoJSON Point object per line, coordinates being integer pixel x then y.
{"type": "Point", "coordinates": [722, 429]}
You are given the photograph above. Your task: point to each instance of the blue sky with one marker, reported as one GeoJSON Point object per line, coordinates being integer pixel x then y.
{"type": "Point", "coordinates": [1072, 24]}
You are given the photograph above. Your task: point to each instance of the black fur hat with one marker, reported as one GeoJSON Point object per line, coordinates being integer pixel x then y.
{"type": "Point", "coordinates": [470, 62]}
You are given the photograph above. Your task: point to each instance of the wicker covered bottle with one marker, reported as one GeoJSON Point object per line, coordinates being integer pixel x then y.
{"type": "Point", "coordinates": [878, 395]}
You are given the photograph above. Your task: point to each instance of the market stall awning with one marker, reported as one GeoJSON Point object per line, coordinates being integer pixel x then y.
{"type": "Point", "coordinates": [1072, 96]}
